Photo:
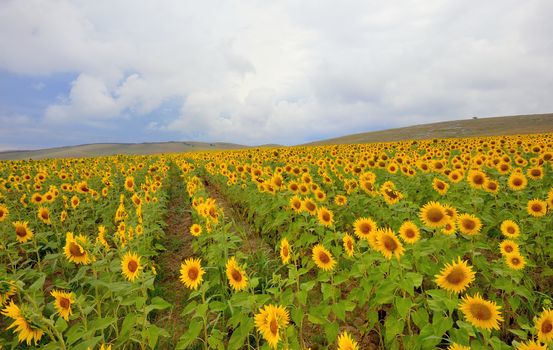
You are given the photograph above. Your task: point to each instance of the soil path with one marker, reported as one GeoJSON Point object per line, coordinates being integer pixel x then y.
{"type": "Point", "coordinates": [177, 243]}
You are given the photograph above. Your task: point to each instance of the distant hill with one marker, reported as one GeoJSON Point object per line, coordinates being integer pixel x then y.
{"type": "Point", "coordinates": [106, 149]}
{"type": "Point", "coordinates": [518, 124]}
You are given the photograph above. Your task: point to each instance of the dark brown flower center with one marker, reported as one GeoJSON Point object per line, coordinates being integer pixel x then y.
{"type": "Point", "coordinates": [365, 228]}
{"type": "Point", "coordinates": [536, 208]}
{"type": "Point", "coordinates": [132, 266]}
{"type": "Point", "coordinates": [65, 303]}
{"type": "Point", "coordinates": [390, 243]}
{"type": "Point", "coordinates": [193, 273]}
{"type": "Point", "coordinates": [546, 326]}
{"type": "Point", "coordinates": [434, 215]}
{"type": "Point", "coordinates": [409, 233]}
{"type": "Point", "coordinates": [456, 276]}
{"type": "Point", "coordinates": [76, 250]}
{"type": "Point", "coordinates": [478, 179]}
{"type": "Point", "coordinates": [511, 230]}
{"type": "Point", "coordinates": [469, 224]}
{"type": "Point", "coordinates": [325, 259]}
{"type": "Point", "coordinates": [20, 231]}
{"type": "Point", "coordinates": [273, 326]}
{"type": "Point", "coordinates": [236, 275]}
{"type": "Point", "coordinates": [480, 311]}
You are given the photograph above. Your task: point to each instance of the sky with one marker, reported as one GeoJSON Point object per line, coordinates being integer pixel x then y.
{"type": "Point", "coordinates": [258, 71]}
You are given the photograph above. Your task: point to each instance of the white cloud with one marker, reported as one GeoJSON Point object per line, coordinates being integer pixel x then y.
{"type": "Point", "coordinates": [257, 72]}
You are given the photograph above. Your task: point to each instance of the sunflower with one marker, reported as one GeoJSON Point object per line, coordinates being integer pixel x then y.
{"type": "Point", "coordinates": [129, 183]}
{"type": "Point", "coordinates": [531, 345]}
{"type": "Point", "coordinates": [456, 346]}
{"type": "Point", "coordinates": [346, 342]}
{"type": "Point", "coordinates": [296, 204]}
{"type": "Point", "coordinates": [22, 231]}
{"type": "Point", "coordinates": [236, 276]}
{"type": "Point", "coordinates": [510, 229]}
{"type": "Point", "coordinates": [195, 230]}
{"type": "Point", "coordinates": [476, 179]}
{"type": "Point", "coordinates": [309, 206]}
{"type": "Point", "coordinates": [491, 186]}
{"type": "Point", "coordinates": [363, 227]}
{"type": "Point", "coordinates": [75, 202]}
{"type": "Point", "coordinates": [325, 216]}
{"type": "Point", "coordinates": [550, 199]}
{"type": "Point", "coordinates": [191, 273]}
{"type": "Point", "coordinates": [508, 247]}
{"type": "Point", "coordinates": [285, 251]}
{"type": "Point", "coordinates": [74, 251]}
{"type": "Point", "coordinates": [388, 244]}
{"type": "Point", "coordinates": [409, 232]}
{"type": "Point", "coordinates": [449, 227]}
{"type": "Point", "coordinates": [433, 215]}
{"type": "Point", "coordinates": [44, 215]}
{"type": "Point", "coordinates": [517, 181]}
{"type": "Point", "coordinates": [7, 290]}
{"type": "Point", "coordinates": [63, 303]}
{"type": "Point", "coordinates": [102, 237]}
{"type": "Point", "coordinates": [544, 326]}
{"type": "Point", "coordinates": [481, 313]}
{"type": "Point", "coordinates": [323, 258]}
{"type": "Point", "coordinates": [450, 211]}
{"type": "Point", "coordinates": [515, 261]}
{"type": "Point", "coordinates": [340, 200]}
{"type": "Point", "coordinates": [349, 244]}
{"type": "Point", "coordinates": [37, 198]}
{"type": "Point", "coordinates": [3, 212]}
{"type": "Point", "coordinates": [130, 266]}
{"type": "Point", "coordinates": [440, 186]}
{"type": "Point", "coordinates": [469, 224]}
{"type": "Point", "coordinates": [28, 331]}
{"type": "Point", "coordinates": [455, 277]}
{"type": "Point", "coordinates": [269, 321]}
{"type": "Point", "coordinates": [536, 207]}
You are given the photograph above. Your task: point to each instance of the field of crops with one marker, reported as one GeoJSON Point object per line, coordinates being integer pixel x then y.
{"type": "Point", "coordinates": [443, 243]}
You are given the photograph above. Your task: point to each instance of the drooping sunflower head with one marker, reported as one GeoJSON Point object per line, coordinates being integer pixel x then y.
{"type": "Point", "coordinates": [22, 231]}
{"type": "Point", "coordinates": [7, 290]}
{"type": "Point", "coordinates": [455, 277]}
{"type": "Point", "coordinates": [469, 224]}
{"type": "Point", "coordinates": [325, 216]}
{"type": "Point", "coordinates": [27, 331]}
{"type": "Point", "coordinates": [536, 208]}
{"type": "Point", "coordinates": [544, 326]}
{"type": "Point", "coordinates": [515, 261]}
{"type": "Point", "coordinates": [195, 230]}
{"type": "Point", "coordinates": [510, 229]}
{"type": "Point", "coordinates": [409, 232]}
{"type": "Point", "coordinates": [63, 302]}
{"type": "Point", "coordinates": [130, 266]}
{"type": "Point", "coordinates": [388, 244]}
{"type": "Point", "coordinates": [346, 342]}
{"type": "Point", "coordinates": [481, 313]}
{"type": "Point", "coordinates": [323, 258]}
{"type": "Point", "coordinates": [349, 244]}
{"type": "Point", "coordinates": [364, 227]}
{"type": "Point", "coordinates": [285, 251]}
{"type": "Point", "coordinates": [236, 276]}
{"type": "Point", "coordinates": [191, 273]}
{"type": "Point", "coordinates": [433, 215]}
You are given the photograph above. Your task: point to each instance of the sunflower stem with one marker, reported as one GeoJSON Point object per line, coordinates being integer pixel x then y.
{"type": "Point", "coordinates": [204, 318]}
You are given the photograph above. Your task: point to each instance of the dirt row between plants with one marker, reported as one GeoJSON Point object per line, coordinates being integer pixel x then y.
{"type": "Point", "coordinates": [177, 243]}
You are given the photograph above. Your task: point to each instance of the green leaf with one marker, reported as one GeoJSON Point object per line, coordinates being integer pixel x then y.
{"type": "Point", "coordinates": [331, 331]}
{"type": "Point", "coordinates": [420, 317]}
{"type": "Point", "coordinates": [61, 325]}
{"type": "Point", "coordinates": [190, 335]}
{"type": "Point", "coordinates": [402, 306]}
{"type": "Point", "coordinates": [128, 323]}
{"type": "Point", "coordinates": [393, 327]}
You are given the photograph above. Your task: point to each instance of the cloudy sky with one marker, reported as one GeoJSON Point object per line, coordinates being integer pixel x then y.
{"type": "Point", "coordinates": [259, 71]}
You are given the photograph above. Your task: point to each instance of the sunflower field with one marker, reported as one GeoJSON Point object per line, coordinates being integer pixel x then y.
{"type": "Point", "coordinates": [427, 244]}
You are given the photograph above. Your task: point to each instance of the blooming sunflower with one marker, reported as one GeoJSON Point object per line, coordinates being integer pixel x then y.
{"type": "Point", "coordinates": [28, 332]}
{"type": "Point", "coordinates": [323, 258]}
{"type": "Point", "coordinates": [22, 231]}
{"type": "Point", "coordinates": [508, 247]}
{"type": "Point", "coordinates": [346, 342]}
{"type": "Point", "coordinates": [236, 276]}
{"type": "Point", "coordinates": [285, 251]}
{"type": "Point", "coordinates": [440, 186]}
{"type": "Point", "coordinates": [195, 230]}
{"type": "Point", "coordinates": [130, 266]}
{"type": "Point", "coordinates": [517, 181]}
{"type": "Point", "coordinates": [510, 229]}
{"type": "Point", "coordinates": [44, 215]}
{"type": "Point", "coordinates": [63, 303]}
{"type": "Point", "coordinates": [515, 261]}
{"type": "Point", "coordinates": [481, 313]}
{"type": "Point", "coordinates": [325, 216]}
{"type": "Point", "coordinates": [363, 227]}
{"type": "Point", "coordinates": [544, 326]}
{"type": "Point", "coordinates": [340, 200]}
{"type": "Point", "coordinates": [536, 207]}
{"type": "Point", "coordinates": [449, 227]}
{"type": "Point", "coordinates": [409, 232]}
{"type": "Point", "coordinates": [455, 277]}
{"type": "Point", "coordinates": [191, 273]}
{"type": "Point", "coordinates": [476, 179]}
{"type": "Point", "coordinates": [75, 202]}
{"type": "Point", "coordinates": [388, 244]}
{"type": "Point", "coordinates": [129, 183]}
{"type": "Point", "coordinates": [469, 224]}
{"type": "Point", "coordinates": [349, 244]}
{"type": "Point", "coordinates": [531, 345]}
{"type": "Point", "coordinates": [7, 290]}
{"type": "Point", "coordinates": [269, 321]}
{"type": "Point", "coordinates": [3, 212]}
{"type": "Point", "coordinates": [74, 251]}
{"type": "Point", "coordinates": [433, 215]}
{"type": "Point", "coordinates": [309, 206]}
{"type": "Point", "coordinates": [456, 346]}
{"type": "Point", "coordinates": [296, 204]}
